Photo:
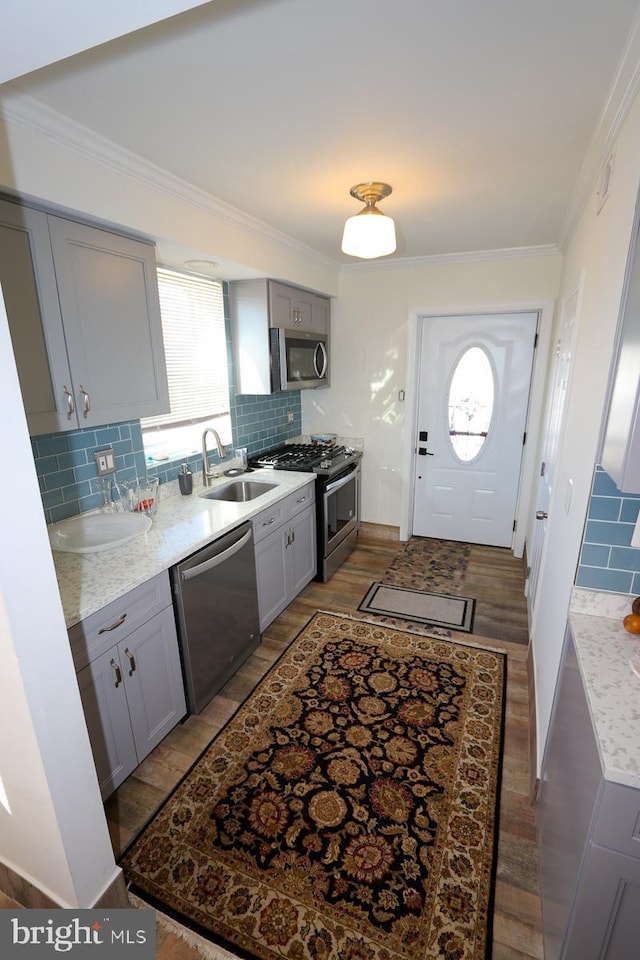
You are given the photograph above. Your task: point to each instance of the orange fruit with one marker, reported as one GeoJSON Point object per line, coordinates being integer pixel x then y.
{"type": "Point", "coordinates": [635, 606]}
{"type": "Point", "coordinates": [632, 623]}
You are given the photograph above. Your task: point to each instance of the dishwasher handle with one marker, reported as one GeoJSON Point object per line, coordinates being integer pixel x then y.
{"type": "Point", "coordinates": [218, 559]}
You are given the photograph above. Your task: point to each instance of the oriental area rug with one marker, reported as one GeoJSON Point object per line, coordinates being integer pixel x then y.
{"type": "Point", "coordinates": [347, 810]}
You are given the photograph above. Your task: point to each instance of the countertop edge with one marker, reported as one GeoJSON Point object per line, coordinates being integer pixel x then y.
{"type": "Point", "coordinates": [603, 648]}
{"type": "Point", "coordinates": [88, 582]}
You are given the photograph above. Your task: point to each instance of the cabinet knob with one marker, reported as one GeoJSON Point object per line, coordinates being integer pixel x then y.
{"type": "Point", "coordinates": [541, 515]}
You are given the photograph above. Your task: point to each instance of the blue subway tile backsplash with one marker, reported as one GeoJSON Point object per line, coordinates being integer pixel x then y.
{"type": "Point", "coordinates": [607, 560]}
{"type": "Point", "coordinates": [67, 477]}
{"type": "Point", "coordinates": [66, 468]}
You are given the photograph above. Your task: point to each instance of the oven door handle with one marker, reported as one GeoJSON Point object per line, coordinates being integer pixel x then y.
{"type": "Point", "coordinates": [330, 487]}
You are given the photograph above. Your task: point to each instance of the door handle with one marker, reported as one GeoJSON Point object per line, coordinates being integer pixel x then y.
{"type": "Point", "coordinates": [423, 452]}
{"type": "Point", "coordinates": [541, 515]}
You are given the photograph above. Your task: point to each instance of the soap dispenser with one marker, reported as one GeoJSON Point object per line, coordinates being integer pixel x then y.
{"type": "Point", "coordinates": [185, 480]}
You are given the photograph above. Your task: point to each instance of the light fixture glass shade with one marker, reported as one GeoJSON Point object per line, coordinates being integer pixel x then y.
{"type": "Point", "coordinates": [369, 234]}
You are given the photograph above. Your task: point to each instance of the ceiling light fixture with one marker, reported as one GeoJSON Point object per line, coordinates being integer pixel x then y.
{"type": "Point", "coordinates": [370, 233]}
{"type": "Point", "coordinates": [201, 266]}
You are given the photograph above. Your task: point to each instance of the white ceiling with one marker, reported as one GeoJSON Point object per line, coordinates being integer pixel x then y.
{"type": "Point", "coordinates": [479, 114]}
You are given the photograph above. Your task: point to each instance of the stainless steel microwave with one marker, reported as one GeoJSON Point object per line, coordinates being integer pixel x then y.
{"type": "Point", "coordinates": [299, 359]}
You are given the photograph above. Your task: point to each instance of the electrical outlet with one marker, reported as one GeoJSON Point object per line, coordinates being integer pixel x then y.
{"type": "Point", "coordinates": [289, 416]}
{"type": "Point", "coordinates": [635, 536]}
{"type": "Point", "coordinates": [105, 462]}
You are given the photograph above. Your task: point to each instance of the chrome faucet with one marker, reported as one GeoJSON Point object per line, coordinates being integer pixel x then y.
{"type": "Point", "coordinates": [207, 474]}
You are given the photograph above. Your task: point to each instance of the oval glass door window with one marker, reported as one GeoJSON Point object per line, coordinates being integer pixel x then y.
{"type": "Point", "coordinates": [471, 402]}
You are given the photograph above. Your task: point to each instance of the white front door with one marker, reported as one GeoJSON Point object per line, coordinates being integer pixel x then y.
{"type": "Point", "coordinates": [552, 432]}
{"type": "Point", "coordinates": [472, 409]}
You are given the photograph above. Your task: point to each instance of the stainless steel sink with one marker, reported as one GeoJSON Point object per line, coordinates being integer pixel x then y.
{"type": "Point", "coordinates": [239, 491]}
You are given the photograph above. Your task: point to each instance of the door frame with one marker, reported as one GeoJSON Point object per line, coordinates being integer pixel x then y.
{"type": "Point", "coordinates": [545, 310]}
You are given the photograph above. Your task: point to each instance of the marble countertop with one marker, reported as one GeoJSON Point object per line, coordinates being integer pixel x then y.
{"type": "Point", "coordinates": [603, 649]}
{"type": "Point", "coordinates": [182, 525]}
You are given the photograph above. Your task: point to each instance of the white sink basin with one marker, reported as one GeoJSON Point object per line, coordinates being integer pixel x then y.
{"type": "Point", "coordinates": [91, 532]}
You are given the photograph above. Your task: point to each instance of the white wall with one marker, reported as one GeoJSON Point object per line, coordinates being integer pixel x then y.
{"type": "Point", "coordinates": [52, 826]}
{"type": "Point", "coordinates": [58, 30]}
{"type": "Point", "coordinates": [599, 246]}
{"type": "Point", "coordinates": [372, 337]}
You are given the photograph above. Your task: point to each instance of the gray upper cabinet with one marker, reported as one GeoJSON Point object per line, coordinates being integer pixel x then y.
{"type": "Point", "coordinates": [293, 308]}
{"type": "Point", "coordinates": [30, 293]}
{"type": "Point", "coordinates": [84, 318]}
{"type": "Point", "coordinates": [257, 306]}
{"type": "Point", "coordinates": [621, 446]}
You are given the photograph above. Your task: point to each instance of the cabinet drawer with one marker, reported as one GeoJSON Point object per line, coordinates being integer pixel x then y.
{"type": "Point", "coordinates": [618, 822]}
{"type": "Point", "coordinates": [299, 500]}
{"type": "Point", "coordinates": [269, 520]}
{"type": "Point", "coordinates": [93, 636]}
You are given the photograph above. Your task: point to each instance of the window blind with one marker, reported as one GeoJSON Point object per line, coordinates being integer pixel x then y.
{"type": "Point", "coordinates": [193, 329]}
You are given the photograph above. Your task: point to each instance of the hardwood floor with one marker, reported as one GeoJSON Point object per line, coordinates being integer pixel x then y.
{"type": "Point", "coordinates": [496, 580]}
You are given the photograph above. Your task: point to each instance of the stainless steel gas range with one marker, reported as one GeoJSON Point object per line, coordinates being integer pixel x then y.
{"type": "Point", "coordinates": [337, 470]}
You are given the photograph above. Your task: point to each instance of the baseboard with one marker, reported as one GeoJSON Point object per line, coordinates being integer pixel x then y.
{"type": "Point", "coordinates": [115, 895]}
{"type": "Point", "coordinates": [28, 895]}
{"type": "Point", "coordinates": [534, 782]}
{"type": "Point", "coordinates": [380, 530]}
{"type": "Point", "coordinates": [23, 891]}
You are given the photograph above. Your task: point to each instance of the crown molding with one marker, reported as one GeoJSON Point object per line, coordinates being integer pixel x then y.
{"type": "Point", "coordinates": [624, 89]}
{"type": "Point", "coordinates": [507, 253]}
{"type": "Point", "coordinates": [31, 114]}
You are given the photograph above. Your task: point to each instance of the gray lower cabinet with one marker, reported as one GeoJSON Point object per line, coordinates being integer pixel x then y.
{"type": "Point", "coordinates": [84, 317]}
{"type": "Point", "coordinates": [130, 679]}
{"type": "Point", "coordinates": [589, 838]}
{"type": "Point", "coordinates": [285, 545]}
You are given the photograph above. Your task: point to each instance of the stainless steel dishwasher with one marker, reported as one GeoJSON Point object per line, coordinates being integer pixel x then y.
{"type": "Point", "coordinates": [216, 604]}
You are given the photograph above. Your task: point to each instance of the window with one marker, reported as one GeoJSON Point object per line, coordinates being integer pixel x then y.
{"type": "Point", "coordinates": [192, 310]}
{"type": "Point", "coordinates": [471, 402]}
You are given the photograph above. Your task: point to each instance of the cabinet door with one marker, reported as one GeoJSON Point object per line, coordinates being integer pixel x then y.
{"type": "Point", "coordinates": [321, 314]}
{"type": "Point", "coordinates": [605, 916]}
{"type": "Point", "coordinates": [35, 323]}
{"type": "Point", "coordinates": [104, 701]}
{"type": "Point", "coordinates": [153, 681]}
{"type": "Point", "coordinates": [301, 552]}
{"type": "Point", "coordinates": [290, 307]}
{"type": "Point", "coordinates": [271, 576]}
{"type": "Point", "coordinates": [569, 790]}
{"type": "Point", "coordinates": [108, 294]}
{"type": "Point", "coordinates": [621, 443]}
